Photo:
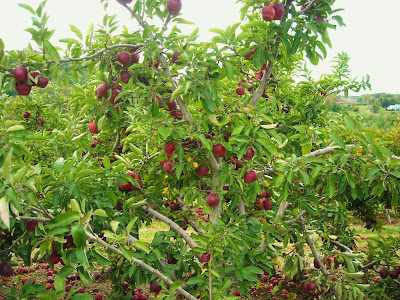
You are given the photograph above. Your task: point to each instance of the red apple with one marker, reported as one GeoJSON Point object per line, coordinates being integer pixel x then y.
{"type": "Point", "coordinates": [319, 18]}
{"type": "Point", "coordinates": [114, 95]}
{"type": "Point", "coordinates": [240, 90]}
{"type": "Point", "coordinates": [312, 286]}
{"type": "Point", "coordinates": [101, 90]}
{"type": "Point", "coordinates": [249, 177]}
{"type": "Point", "coordinates": [124, 76]}
{"type": "Point", "coordinates": [33, 75]}
{"type": "Point", "coordinates": [202, 171]}
{"type": "Point", "coordinates": [27, 115]}
{"type": "Point", "coordinates": [168, 165]}
{"type": "Point", "coordinates": [124, 58]}
{"type": "Point", "coordinates": [212, 200]}
{"type": "Point", "coordinates": [154, 287]}
{"type": "Point", "coordinates": [268, 13]}
{"type": "Point", "coordinates": [31, 225]}
{"type": "Point", "coordinates": [20, 74]}
{"type": "Point", "coordinates": [279, 10]}
{"type": "Point", "coordinates": [135, 57]}
{"type": "Point", "coordinates": [93, 128]}
{"type": "Point", "coordinates": [174, 6]}
{"type": "Point", "coordinates": [23, 89]}
{"type": "Point", "coordinates": [219, 150]}
{"type": "Point", "coordinates": [42, 82]}
{"type": "Point", "coordinates": [267, 204]}
{"type": "Point", "coordinates": [249, 154]}
{"type": "Point", "coordinates": [258, 204]}
{"type": "Point", "coordinates": [250, 54]}
{"type": "Point", "coordinates": [170, 147]}
{"type": "Point", "coordinates": [384, 273]}
{"type": "Point", "coordinates": [205, 257]}
{"type": "Point", "coordinates": [98, 297]}
{"type": "Point", "coordinates": [129, 186]}
{"type": "Point", "coordinates": [304, 286]}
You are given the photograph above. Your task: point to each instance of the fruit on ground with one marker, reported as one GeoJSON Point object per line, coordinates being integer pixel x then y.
{"type": "Point", "coordinates": [93, 128]}
{"type": "Point", "coordinates": [20, 74]}
{"type": "Point", "coordinates": [219, 150]}
{"type": "Point", "coordinates": [124, 76]}
{"type": "Point", "coordinates": [168, 165]}
{"type": "Point", "coordinates": [268, 13]}
{"type": "Point", "coordinates": [174, 6]}
{"type": "Point", "coordinates": [384, 273]}
{"type": "Point", "coordinates": [240, 90]}
{"type": "Point", "coordinates": [212, 200]}
{"type": "Point", "coordinates": [101, 90]}
{"type": "Point", "coordinates": [23, 89]}
{"type": "Point", "coordinates": [202, 171]}
{"type": "Point", "coordinates": [249, 177]}
{"type": "Point", "coordinates": [5, 269]}
{"type": "Point", "coordinates": [24, 280]}
{"type": "Point", "coordinates": [279, 10]}
{"type": "Point", "coordinates": [236, 293]}
{"type": "Point", "coordinates": [27, 115]}
{"type": "Point", "coordinates": [249, 154]}
{"type": "Point", "coordinates": [98, 297]}
{"type": "Point", "coordinates": [42, 82]}
{"type": "Point", "coordinates": [124, 58]}
{"type": "Point", "coordinates": [175, 57]}
{"type": "Point", "coordinates": [154, 287]}
{"type": "Point", "coordinates": [205, 257]}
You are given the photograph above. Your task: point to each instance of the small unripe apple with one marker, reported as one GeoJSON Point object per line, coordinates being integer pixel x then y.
{"type": "Point", "coordinates": [101, 90]}
{"type": "Point", "coordinates": [212, 200]}
{"type": "Point", "coordinates": [42, 82]}
{"type": "Point", "coordinates": [168, 165]}
{"type": "Point", "coordinates": [219, 150]}
{"type": "Point", "coordinates": [20, 74]}
{"type": "Point", "coordinates": [124, 58]}
{"type": "Point", "coordinates": [240, 90]}
{"type": "Point", "coordinates": [175, 57]}
{"type": "Point", "coordinates": [93, 128]}
{"type": "Point", "coordinates": [268, 13]}
{"type": "Point", "coordinates": [27, 115]}
{"type": "Point", "coordinates": [249, 177]}
{"type": "Point", "coordinates": [174, 6]}
{"type": "Point", "coordinates": [279, 10]}
{"type": "Point", "coordinates": [23, 89]}
{"type": "Point", "coordinates": [124, 76]}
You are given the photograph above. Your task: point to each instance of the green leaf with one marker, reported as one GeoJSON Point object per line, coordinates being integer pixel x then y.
{"type": "Point", "coordinates": [100, 212]}
{"type": "Point", "coordinates": [106, 162]}
{"type": "Point", "coordinates": [76, 31]}
{"type": "Point", "coordinates": [6, 169]}
{"type": "Point", "coordinates": [79, 236]}
{"type": "Point", "coordinates": [350, 179]}
{"type": "Point", "coordinates": [63, 219]}
{"type": "Point", "coordinates": [81, 297]}
{"type": "Point", "coordinates": [5, 211]}
{"type": "Point", "coordinates": [338, 141]}
{"type": "Point", "coordinates": [142, 246]}
{"type": "Point", "coordinates": [155, 109]}
{"type": "Point", "coordinates": [126, 253]}
{"type": "Point", "coordinates": [229, 70]}
{"type": "Point", "coordinates": [308, 208]}
{"type": "Point", "coordinates": [175, 285]}
{"type": "Point", "coordinates": [331, 185]}
{"type": "Point", "coordinates": [375, 150]}
{"type": "Point", "coordinates": [51, 51]}
{"type": "Point", "coordinates": [395, 173]}
{"type": "Point", "coordinates": [27, 7]}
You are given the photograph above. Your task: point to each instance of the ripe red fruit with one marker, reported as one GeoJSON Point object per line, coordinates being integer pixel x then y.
{"type": "Point", "coordinates": [384, 273]}
{"type": "Point", "coordinates": [174, 6]}
{"type": "Point", "coordinates": [27, 115]}
{"type": "Point", "coordinates": [129, 186]}
{"type": "Point", "coordinates": [135, 57]}
{"type": "Point", "coordinates": [31, 225]}
{"type": "Point", "coordinates": [240, 90]}
{"type": "Point", "coordinates": [250, 54]}
{"type": "Point", "coordinates": [124, 76]}
{"type": "Point", "coordinates": [304, 286]}
{"type": "Point", "coordinates": [20, 74]}
{"type": "Point", "coordinates": [258, 205]}
{"type": "Point", "coordinates": [202, 171]}
{"type": "Point", "coordinates": [93, 128]}
{"type": "Point", "coordinates": [33, 75]}
{"type": "Point", "coordinates": [205, 257]}
{"type": "Point", "coordinates": [312, 286]}
{"type": "Point", "coordinates": [23, 89]}
{"type": "Point", "coordinates": [114, 95]}
{"type": "Point", "coordinates": [395, 274]}
{"type": "Point", "coordinates": [154, 287]}
{"type": "Point", "coordinates": [40, 120]}
{"type": "Point", "coordinates": [249, 154]}
{"type": "Point", "coordinates": [101, 90]}
{"type": "Point", "coordinates": [24, 280]}
{"type": "Point", "coordinates": [124, 58]}
{"type": "Point", "coordinates": [268, 13]}
{"type": "Point", "coordinates": [319, 18]}
{"type": "Point", "coordinates": [168, 165]}
{"type": "Point", "coordinates": [219, 150]}
{"type": "Point", "coordinates": [279, 10]}
{"type": "Point", "coordinates": [267, 204]}
{"type": "Point", "coordinates": [42, 82]}
{"type": "Point", "coordinates": [212, 200]}
{"type": "Point", "coordinates": [142, 297]}
{"type": "Point", "coordinates": [98, 297]}
{"type": "Point", "coordinates": [55, 259]}
{"type": "Point", "coordinates": [259, 75]}
{"type": "Point", "coordinates": [45, 267]}
{"type": "Point", "coordinates": [249, 177]}
{"type": "Point", "coordinates": [175, 57]}
{"type": "Point", "coordinates": [236, 293]}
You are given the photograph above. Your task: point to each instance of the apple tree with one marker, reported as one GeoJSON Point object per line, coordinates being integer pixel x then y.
{"type": "Point", "coordinates": [228, 142]}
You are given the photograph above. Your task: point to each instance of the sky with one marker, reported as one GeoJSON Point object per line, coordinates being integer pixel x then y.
{"type": "Point", "coordinates": [370, 38]}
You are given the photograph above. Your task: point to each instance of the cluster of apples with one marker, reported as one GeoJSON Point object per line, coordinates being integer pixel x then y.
{"type": "Point", "coordinates": [272, 12]}
{"type": "Point", "coordinates": [25, 80]}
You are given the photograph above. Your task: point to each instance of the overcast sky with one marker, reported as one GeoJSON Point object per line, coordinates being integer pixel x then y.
{"type": "Point", "coordinates": [371, 36]}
